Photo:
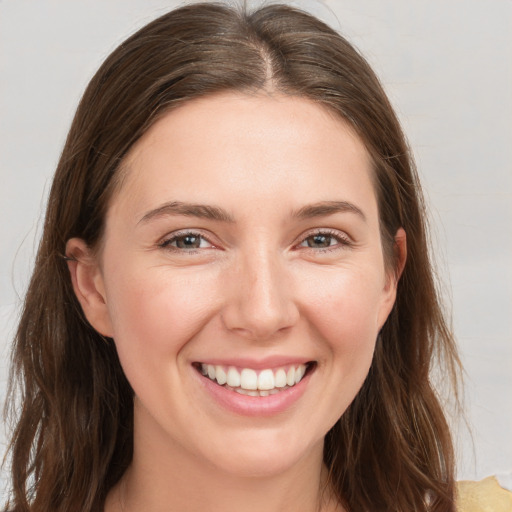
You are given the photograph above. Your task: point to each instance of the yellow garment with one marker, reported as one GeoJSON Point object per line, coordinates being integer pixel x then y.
{"type": "Point", "coordinates": [487, 495]}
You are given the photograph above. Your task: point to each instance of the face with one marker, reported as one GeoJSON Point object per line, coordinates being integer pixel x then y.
{"type": "Point", "coordinates": [242, 279]}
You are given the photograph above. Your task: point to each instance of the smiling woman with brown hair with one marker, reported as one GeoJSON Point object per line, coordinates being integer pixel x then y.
{"type": "Point", "coordinates": [232, 306]}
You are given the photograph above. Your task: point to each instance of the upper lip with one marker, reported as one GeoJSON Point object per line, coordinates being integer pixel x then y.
{"type": "Point", "coordinates": [275, 361]}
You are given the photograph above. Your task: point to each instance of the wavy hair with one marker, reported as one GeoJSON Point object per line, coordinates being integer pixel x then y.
{"type": "Point", "coordinates": [73, 407]}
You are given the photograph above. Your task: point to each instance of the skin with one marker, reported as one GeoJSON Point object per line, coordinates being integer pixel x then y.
{"type": "Point", "coordinates": [258, 285]}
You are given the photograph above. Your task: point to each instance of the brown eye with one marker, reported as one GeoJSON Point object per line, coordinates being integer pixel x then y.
{"type": "Point", "coordinates": [188, 242]}
{"type": "Point", "coordinates": [320, 241]}
{"type": "Point", "coordinates": [326, 240]}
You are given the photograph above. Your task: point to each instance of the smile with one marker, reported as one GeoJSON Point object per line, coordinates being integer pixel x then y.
{"type": "Point", "coordinates": [247, 381]}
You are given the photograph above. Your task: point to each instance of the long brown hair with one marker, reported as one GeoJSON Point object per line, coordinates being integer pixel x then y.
{"type": "Point", "coordinates": [391, 450]}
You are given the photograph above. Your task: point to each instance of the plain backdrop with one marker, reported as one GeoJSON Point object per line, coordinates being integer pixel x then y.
{"type": "Point", "coordinates": [447, 67]}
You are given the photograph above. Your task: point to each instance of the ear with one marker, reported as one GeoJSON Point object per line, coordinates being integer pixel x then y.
{"type": "Point", "coordinates": [394, 274]}
{"type": "Point", "coordinates": [400, 252]}
{"type": "Point", "coordinates": [88, 285]}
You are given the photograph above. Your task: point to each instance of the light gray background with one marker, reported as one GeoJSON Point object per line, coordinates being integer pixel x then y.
{"type": "Point", "coordinates": [447, 67]}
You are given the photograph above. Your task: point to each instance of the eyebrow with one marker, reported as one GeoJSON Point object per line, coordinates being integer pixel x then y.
{"type": "Point", "coordinates": [201, 211]}
{"type": "Point", "coordinates": [325, 208]}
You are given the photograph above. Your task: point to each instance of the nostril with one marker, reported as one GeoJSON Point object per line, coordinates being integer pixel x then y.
{"type": "Point", "coordinates": [259, 322]}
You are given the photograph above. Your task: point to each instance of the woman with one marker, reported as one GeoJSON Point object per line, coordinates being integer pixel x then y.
{"type": "Point", "coordinates": [199, 334]}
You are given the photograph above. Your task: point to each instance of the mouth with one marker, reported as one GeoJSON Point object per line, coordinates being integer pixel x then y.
{"type": "Point", "coordinates": [256, 382]}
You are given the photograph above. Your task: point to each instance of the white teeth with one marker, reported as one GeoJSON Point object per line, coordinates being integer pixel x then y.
{"type": "Point", "coordinates": [248, 379]}
{"type": "Point", "coordinates": [233, 377]}
{"type": "Point", "coordinates": [290, 376]}
{"type": "Point", "coordinates": [299, 373]}
{"type": "Point", "coordinates": [220, 375]}
{"type": "Point", "coordinates": [246, 392]}
{"type": "Point", "coordinates": [242, 391]}
{"type": "Point", "coordinates": [267, 382]}
{"type": "Point", "coordinates": [280, 378]}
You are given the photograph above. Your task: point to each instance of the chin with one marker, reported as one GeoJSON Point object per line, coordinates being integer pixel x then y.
{"type": "Point", "coordinates": [261, 456]}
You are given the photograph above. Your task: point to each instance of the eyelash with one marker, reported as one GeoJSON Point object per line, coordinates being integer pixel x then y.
{"type": "Point", "coordinates": [166, 244]}
{"type": "Point", "coordinates": [343, 241]}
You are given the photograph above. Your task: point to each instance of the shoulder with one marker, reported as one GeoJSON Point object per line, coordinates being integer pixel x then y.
{"type": "Point", "coordinates": [484, 496]}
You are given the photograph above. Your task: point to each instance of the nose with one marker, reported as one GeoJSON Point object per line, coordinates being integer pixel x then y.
{"type": "Point", "coordinates": [260, 303]}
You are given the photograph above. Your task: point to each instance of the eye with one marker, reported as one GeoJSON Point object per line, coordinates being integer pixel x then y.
{"type": "Point", "coordinates": [325, 240]}
{"type": "Point", "coordinates": [187, 241]}
{"type": "Point", "coordinates": [319, 241]}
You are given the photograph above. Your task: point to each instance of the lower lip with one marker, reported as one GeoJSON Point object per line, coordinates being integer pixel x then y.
{"type": "Point", "coordinates": [254, 405]}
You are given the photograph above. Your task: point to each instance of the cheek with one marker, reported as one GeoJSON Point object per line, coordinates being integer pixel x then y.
{"type": "Point", "coordinates": [350, 300]}
{"type": "Point", "coordinates": [344, 309]}
{"type": "Point", "coordinates": [155, 313]}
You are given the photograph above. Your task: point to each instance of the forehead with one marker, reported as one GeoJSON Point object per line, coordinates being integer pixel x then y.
{"type": "Point", "coordinates": [231, 116]}
{"type": "Point", "coordinates": [235, 144]}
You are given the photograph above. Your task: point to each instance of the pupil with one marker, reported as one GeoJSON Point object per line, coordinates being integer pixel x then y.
{"type": "Point", "coordinates": [319, 241]}
{"type": "Point", "coordinates": [188, 242]}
